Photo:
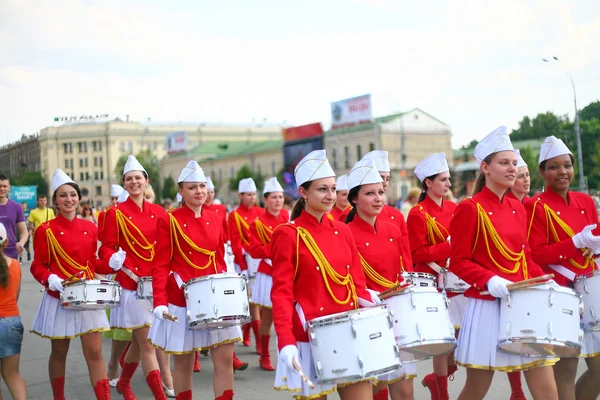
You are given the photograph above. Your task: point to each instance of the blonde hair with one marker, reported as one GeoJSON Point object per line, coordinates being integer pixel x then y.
{"type": "Point", "coordinates": [149, 192]}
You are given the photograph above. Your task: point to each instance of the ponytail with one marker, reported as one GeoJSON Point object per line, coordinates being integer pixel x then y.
{"type": "Point", "coordinates": [423, 194]}
{"type": "Point", "coordinates": [480, 181]}
{"type": "Point", "coordinates": [3, 268]}
{"type": "Point", "coordinates": [352, 195]}
{"type": "Point", "coordinates": [301, 203]}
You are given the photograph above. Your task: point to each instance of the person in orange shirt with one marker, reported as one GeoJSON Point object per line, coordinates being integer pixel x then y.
{"type": "Point", "coordinates": [302, 292]}
{"type": "Point", "coordinates": [490, 265]}
{"type": "Point", "coordinates": [11, 328]}
{"type": "Point", "coordinates": [373, 238]}
{"type": "Point", "coordinates": [190, 245]}
{"type": "Point", "coordinates": [341, 198]}
{"type": "Point", "coordinates": [564, 239]}
{"type": "Point", "coordinates": [63, 247]}
{"type": "Point", "coordinates": [261, 230]}
{"type": "Point", "coordinates": [520, 190]}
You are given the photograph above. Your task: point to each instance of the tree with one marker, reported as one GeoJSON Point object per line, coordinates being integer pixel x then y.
{"type": "Point", "coordinates": [31, 178]}
{"type": "Point", "coordinates": [246, 172]}
{"type": "Point", "coordinates": [590, 111]}
{"type": "Point", "coordinates": [150, 163]}
{"type": "Point", "coordinates": [169, 189]}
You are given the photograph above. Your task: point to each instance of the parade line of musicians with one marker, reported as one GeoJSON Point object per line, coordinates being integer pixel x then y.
{"type": "Point", "coordinates": [340, 250]}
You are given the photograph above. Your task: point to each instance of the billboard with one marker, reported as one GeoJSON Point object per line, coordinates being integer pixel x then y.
{"type": "Point", "coordinates": [302, 132]}
{"type": "Point", "coordinates": [27, 194]}
{"type": "Point", "coordinates": [176, 142]}
{"type": "Point", "coordinates": [292, 154]}
{"type": "Point", "coordinates": [354, 111]}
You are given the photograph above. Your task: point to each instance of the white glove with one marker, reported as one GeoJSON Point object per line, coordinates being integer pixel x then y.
{"type": "Point", "coordinates": [373, 301]}
{"type": "Point", "coordinates": [287, 354]}
{"type": "Point", "coordinates": [55, 283]}
{"type": "Point", "coordinates": [497, 287]}
{"type": "Point", "coordinates": [245, 274]}
{"type": "Point", "coordinates": [586, 238]}
{"type": "Point", "coordinates": [158, 312]}
{"type": "Point", "coordinates": [374, 296]}
{"type": "Point", "coordinates": [117, 259]}
{"type": "Point", "coordinates": [448, 239]}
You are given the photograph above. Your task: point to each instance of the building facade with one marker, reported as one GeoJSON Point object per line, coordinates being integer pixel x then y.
{"type": "Point", "coordinates": [23, 155]}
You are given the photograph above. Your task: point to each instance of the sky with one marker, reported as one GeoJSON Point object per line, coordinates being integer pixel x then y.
{"type": "Point", "coordinates": [473, 64]}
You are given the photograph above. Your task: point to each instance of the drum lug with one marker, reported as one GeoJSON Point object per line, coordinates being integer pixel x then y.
{"type": "Point", "coordinates": [212, 286]}
{"type": "Point", "coordinates": [412, 299]}
{"type": "Point", "coordinates": [360, 363]}
{"type": "Point", "coordinates": [216, 310]}
{"type": "Point", "coordinates": [446, 299]}
{"type": "Point", "coordinates": [419, 331]}
{"type": "Point", "coordinates": [353, 330]}
{"type": "Point", "coordinates": [507, 329]}
{"type": "Point", "coordinates": [396, 351]}
{"type": "Point", "coordinates": [551, 298]}
{"type": "Point", "coordinates": [313, 337]}
{"type": "Point", "coordinates": [189, 317]}
{"type": "Point", "coordinates": [243, 284]}
{"type": "Point", "coordinates": [585, 286]}
{"type": "Point", "coordinates": [581, 335]}
{"type": "Point", "coordinates": [592, 311]}
{"type": "Point", "coordinates": [84, 292]}
{"type": "Point", "coordinates": [550, 328]}
{"type": "Point", "coordinates": [391, 319]}
{"type": "Point", "coordinates": [508, 301]}
{"type": "Point", "coordinates": [319, 368]}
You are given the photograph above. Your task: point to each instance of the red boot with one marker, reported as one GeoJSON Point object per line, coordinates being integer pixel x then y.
{"type": "Point", "coordinates": [381, 395]}
{"type": "Point", "coordinates": [442, 387]}
{"type": "Point", "coordinates": [265, 357]}
{"type": "Point", "coordinates": [429, 383]}
{"type": "Point", "coordinates": [154, 381]}
{"type": "Point", "coordinates": [451, 370]}
{"type": "Point", "coordinates": [102, 390]}
{"type": "Point", "coordinates": [197, 367]}
{"type": "Point", "coordinates": [246, 333]}
{"type": "Point", "coordinates": [514, 378]}
{"type": "Point", "coordinates": [256, 330]}
{"type": "Point", "coordinates": [227, 395]}
{"type": "Point", "coordinates": [187, 395]}
{"type": "Point", "coordinates": [58, 388]}
{"type": "Point", "coordinates": [122, 358]}
{"type": "Point", "coordinates": [238, 365]}
{"type": "Point", "coordinates": [123, 386]}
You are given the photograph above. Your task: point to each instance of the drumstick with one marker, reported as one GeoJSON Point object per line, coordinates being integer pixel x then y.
{"type": "Point", "coordinates": [65, 280]}
{"type": "Point", "coordinates": [304, 377]}
{"type": "Point", "coordinates": [170, 317]}
{"type": "Point", "coordinates": [525, 283]}
{"type": "Point", "coordinates": [390, 292]}
{"type": "Point", "coordinates": [394, 288]}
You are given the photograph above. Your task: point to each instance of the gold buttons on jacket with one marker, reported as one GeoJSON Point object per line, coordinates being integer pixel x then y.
{"type": "Point", "coordinates": [129, 217]}
{"type": "Point", "coordinates": [392, 217]}
{"type": "Point", "coordinates": [62, 233]}
{"type": "Point", "coordinates": [347, 266]}
{"type": "Point", "coordinates": [367, 244]}
{"type": "Point", "coordinates": [185, 225]}
{"type": "Point", "coordinates": [335, 232]}
{"type": "Point", "coordinates": [321, 309]}
{"type": "Point", "coordinates": [207, 223]}
{"type": "Point", "coordinates": [490, 213]}
{"type": "Point", "coordinates": [352, 304]}
{"type": "Point", "coordinates": [583, 211]}
{"type": "Point", "coordinates": [558, 213]}
{"type": "Point", "coordinates": [152, 216]}
{"type": "Point", "coordinates": [318, 268]}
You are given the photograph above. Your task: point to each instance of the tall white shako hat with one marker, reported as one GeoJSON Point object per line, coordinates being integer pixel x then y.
{"type": "Point", "coordinates": [553, 147]}
{"type": "Point", "coordinates": [116, 190]}
{"type": "Point", "coordinates": [381, 159]}
{"type": "Point", "coordinates": [520, 161]}
{"type": "Point", "coordinates": [133, 164]}
{"type": "Point", "coordinates": [192, 172]}
{"type": "Point", "coordinates": [209, 184]}
{"type": "Point", "coordinates": [341, 183]}
{"type": "Point", "coordinates": [312, 167]}
{"type": "Point", "coordinates": [364, 172]}
{"type": "Point", "coordinates": [246, 185]}
{"type": "Point", "coordinates": [272, 186]}
{"type": "Point", "coordinates": [60, 178]}
{"type": "Point", "coordinates": [494, 142]}
{"type": "Point", "coordinates": [432, 165]}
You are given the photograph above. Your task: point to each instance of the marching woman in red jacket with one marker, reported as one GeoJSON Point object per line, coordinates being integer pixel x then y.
{"type": "Point", "coordinates": [373, 239]}
{"type": "Point", "coordinates": [489, 250]}
{"type": "Point", "coordinates": [316, 272]}
{"type": "Point", "coordinates": [261, 231]}
{"type": "Point", "coordinates": [64, 247]}
{"type": "Point", "coordinates": [341, 199]}
{"type": "Point", "coordinates": [564, 237]}
{"type": "Point", "coordinates": [520, 190]}
{"type": "Point", "coordinates": [128, 247]}
{"type": "Point", "coordinates": [190, 245]}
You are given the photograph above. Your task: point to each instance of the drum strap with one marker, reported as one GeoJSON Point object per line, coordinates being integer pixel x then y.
{"type": "Point", "coordinates": [434, 267]}
{"type": "Point", "coordinates": [130, 274]}
{"type": "Point", "coordinates": [570, 275]}
{"type": "Point", "coordinates": [178, 279]}
{"type": "Point", "coordinates": [301, 316]}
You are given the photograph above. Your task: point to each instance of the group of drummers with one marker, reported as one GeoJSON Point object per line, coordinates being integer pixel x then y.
{"type": "Point", "coordinates": [357, 294]}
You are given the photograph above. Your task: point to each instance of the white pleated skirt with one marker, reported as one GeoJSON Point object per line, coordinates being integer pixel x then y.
{"type": "Point", "coordinates": [177, 338]}
{"type": "Point", "coordinates": [131, 313]}
{"type": "Point", "coordinates": [261, 293]}
{"type": "Point", "coordinates": [591, 344]}
{"type": "Point", "coordinates": [54, 322]}
{"type": "Point", "coordinates": [477, 345]}
{"type": "Point", "coordinates": [456, 309]}
{"type": "Point", "coordinates": [406, 371]}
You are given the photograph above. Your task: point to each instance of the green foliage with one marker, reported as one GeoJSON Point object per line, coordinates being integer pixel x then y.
{"type": "Point", "coordinates": [245, 172]}
{"type": "Point", "coordinates": [539, 127]}
{"type": "Point", "coordinates": [590, 111]}
{"type": "Point", "coordinates": [169, 189]}
{"type": "Point", "coordinates": [150, 163]}
{"type": "Point", "coordinates": [30, 178]}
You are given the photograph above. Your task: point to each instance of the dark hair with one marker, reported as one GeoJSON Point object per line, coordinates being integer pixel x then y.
{"type": "Point", "coordinates": [3, 266]}
{"type": "Point", "coordinates": [143, 172]}
{"type": "Point", "coordinates": [301, 203]}
{"type": "Point", "coordinates": [543, 163]}
{"type": "Point", "coordinates": [287, 200]}
{"type": "Point", "coordinates": [424, 187]}
{"type": "Point", "coordinates": [74, 186]}
{"type": "Point", "coordinates": [480, 181]}
{"type": "Point", "coordinates": [352, 195]}
{"type": "Point", "coordinates": [42, 196]}
{"type": "Point", "coordinates": [3, 178]}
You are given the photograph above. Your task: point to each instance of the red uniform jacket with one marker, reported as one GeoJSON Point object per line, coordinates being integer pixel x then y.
{"type": "Point", "coordinates": [381, 248]}
{"type": "Point", "coordinates": [336, 212]}
{"type": "Point", "coordinates": [239, 231]}
{"type": "Point", "coordinates": [77, 238]}
{"type": "Point", "coordinates": [204, 232]}
{"type": "Point", "coordinates": [544, 212]}
{"type": "Point", "coordinates": [472, 260]}
{"type": "Point", "coordinates": [101, 221]}
{"type": "Point", "coordinates": [260, 244]}
{"type": "Point", "coordinates": [221, 210]}
{"type": "Point", "coordinates": [144, 220]}
{"type": "Point", "coordinates": [428, 231]}
{"type": "Point", "coordinates": [297, 277]}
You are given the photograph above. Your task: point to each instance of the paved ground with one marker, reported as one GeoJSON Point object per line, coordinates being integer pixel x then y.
{"type": "Point", "coordinates": [252, 384]}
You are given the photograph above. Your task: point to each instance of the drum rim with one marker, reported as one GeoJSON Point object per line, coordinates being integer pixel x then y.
{"type": "Point", "coordinates": [565, 343]}
{"type": "Point", "coordinates": [144, 278]}
{"type": "Point", "coordinates": [415, 289]}
{"type": "Point", "coordinates": [587, 275]}
{"type": "Point", "coordinates": [197, 325]}
{"type": "Point", "coordinates": [425, 275]}
{"type": "Point", "coordinates": [113, 303]}
{"type": "Point", "coordinates": [319, 321]}
{"type": "Point", "coordinates": [212, 276]}
{"type": "Point", "coordinates": [92, 282]}
{"type": "Point", "coordinates": [545, 287]}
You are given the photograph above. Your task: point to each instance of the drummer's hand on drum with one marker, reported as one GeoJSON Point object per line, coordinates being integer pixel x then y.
{"type": "Point", "coordinates": [373, 301]}
{"type": "Point", "coordinates": [287, 354]}
{"type": "Point", "coordinates": [117, 259]}
{"type": "Point", "coordinates": [497, 287]}
{"type": "Point", "coordinates": [55, 283]}
{"type": "Point", "coordinates": [158, 312]}
{"type": "Point", "coordinates": [586, 239]}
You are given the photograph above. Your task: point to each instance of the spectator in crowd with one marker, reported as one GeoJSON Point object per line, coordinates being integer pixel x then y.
{"type": "Point", "coordinates": [88, 214]}
{"type": "Point", "coordinates": [26, 246]}
{"type": "Point", "coordinates": [412, 199]}
{"type": "Point", "coordinates": [11, 216]}
{"type": "Point", "coordinates": [41, 214]}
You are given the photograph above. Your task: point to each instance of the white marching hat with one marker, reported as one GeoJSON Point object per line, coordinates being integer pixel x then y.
{"type": "Point", "coordinates": [553, 147]}
{"type": "Point", "coordinates": [312, 167]}
{"type": "Point", "coordinates": [3, 234]}
{"type": "Point", "coordinates": [123, 196]}
{"type": "Point", "coordinates": [209, 184]}
{"type": "Point", "coordinates": [192, 172]}
{"type": "Point", "coordinates": [381, 159]}
{"type": "Point", "coordinates": [60, 178]}
{"type": "Point", "coordinates": [246, 185]}
{"type": "Point", "coordinates": [494, 142]}
{"type": "Point", "coordinates": [272, 185]}
{"type": "Point", "coordinates": [116, 190]}
{"type": "Point", "coordinates": [132, 164]}
{"type": "Point", "coordinates": [364, 172]}
{"type": "Point", "coordinates": [520, 161]}
{"type": "Point", "coordinates": [432, 165]}
{"type": "Point", "coordinates": [341, 183]}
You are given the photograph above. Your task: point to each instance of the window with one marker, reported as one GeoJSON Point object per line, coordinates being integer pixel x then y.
{"type": "Point", "coordinates": [101, 175]}
{"type": "Point", "coordinates": [130, 147]}
{"type": "Point", "coordinates": [335, 165]}
{"type": "Point", "coordinates": [99, 145]}
{"type": "Point", "coordinates": [81, 176]}
{"type": "Point", "coordinates": [371, 146]}
{"type": "Point", "coordinates": [346, 156]}
{"type": "Point", "coordinates": [67, 148]}
{"type": "Point", "coordinates": [87, 176]}
{"type": "Point", "coordinates": [98, 190]}
{"type": "Point", "coordinates": [273, 168]}
{"type": "Point", "coordinates": [100, 161]}
{"type": "Point", "coordinates": [358, 152]}
{"type": "Point", "coordinates": [121, 146]}
{"type": "Point", "coordinates": [95, 145]}
{"type": "Point", "coordinates": [95, 160]}
{"type": "Point", "coordinates": [66, 164]}
{"type": "Point", "coordinates": [96, 175]}
{"type": "Point", "coordinates": [232, 172]}
{"type": "Point", "coordinates": [81, 163]}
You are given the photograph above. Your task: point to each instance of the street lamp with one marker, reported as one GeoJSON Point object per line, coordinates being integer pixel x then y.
{"type": "Point", "coordinates": [577, 130]}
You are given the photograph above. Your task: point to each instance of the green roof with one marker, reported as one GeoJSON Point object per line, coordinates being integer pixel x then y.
{"type": "Point", "coordinates": [216, 150]}
{"type": "Point", "coordinates": [534, 144]}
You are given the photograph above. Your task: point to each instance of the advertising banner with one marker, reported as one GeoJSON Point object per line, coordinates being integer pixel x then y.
{"type": "Point", "coordinates": [354, 111]}
{"type": "Point", "coordinates": [176, 142]}
{"type": "Point", "coordinates": [292, 154]}
{"type": "Point", "coordinates": [27, 194]}
{"type": "Point", "coordinates": [302, 132]}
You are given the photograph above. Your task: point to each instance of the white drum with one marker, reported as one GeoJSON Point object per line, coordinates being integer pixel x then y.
{"type": "Point", "coordinates": [422, 325]}
{"type": "Point", "coordinates": [542, 320]}
{"type": "Point", "coordinates": [588, 286]}
{"type": "Point", "coordinates": [144, 288]}
{"type": "Point", "coordinates": [450, 282]}
{"type": "Point", "coordinates": [252, 264]}
{"type": "Point", "coordinates": [216, 301]}
{"type": "Point", "coordinates": [419, 279]}
{"type": "Point", "coordinates": [91, 295]}
{"type": "Point", "coordinates": [353, 345]}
